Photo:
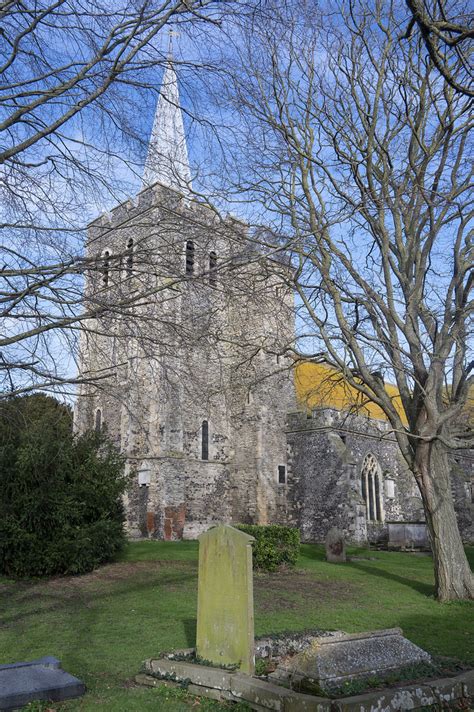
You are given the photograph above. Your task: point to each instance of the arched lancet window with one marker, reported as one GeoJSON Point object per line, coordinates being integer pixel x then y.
{"type": "Point", "coordinates": [371, 481]}
{"type": "Point", "coordinates": [189, 257]}
{"type": "Point", "coordinates": [205, 440]}
{"type": "Point", "coordinates": [106, 268]}
{"type": "Point", "coordinates": [98, 420]}
{"type": "Point", "coordinates": [129, 257]}
{"type": "Point", "coordinates": [212, 269]}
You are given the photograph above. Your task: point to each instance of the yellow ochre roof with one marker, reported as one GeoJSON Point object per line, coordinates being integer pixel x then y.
{"type": "Point", "coordinates": [318, 385]}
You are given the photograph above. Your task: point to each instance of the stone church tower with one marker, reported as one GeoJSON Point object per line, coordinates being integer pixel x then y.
{"type": "Point", "coordinates": [185, 359]}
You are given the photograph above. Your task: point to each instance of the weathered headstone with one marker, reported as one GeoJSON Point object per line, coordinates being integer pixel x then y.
{"type": "Point", "coordinates": [41, 679]}
{"type": "Point", "coordinates": [225, 627]}
{"type": "Point", "coordinates": [335, 546]}
{"type": "Point", "coordinates": [330, 661]}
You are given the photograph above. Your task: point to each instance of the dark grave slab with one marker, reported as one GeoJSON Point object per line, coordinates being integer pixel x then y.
{"type": "Point", "coordinates": [41, 679]}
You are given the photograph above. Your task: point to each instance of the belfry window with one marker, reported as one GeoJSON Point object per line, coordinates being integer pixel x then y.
{"type": "Point", "coordinates": [105, 268]}
{"type": "Point", "coordinates": [212, 269]}
{"type": "Point", "coordinates": [189, 257]}
{"type": "Point", "coordinates": [371, 489]}
{"type": "Point", "coordinates": [205, 440]}
{"type": "Point", "coordinates": [98, 420]}
{"type": "Point", "coordinates": [129, 257]}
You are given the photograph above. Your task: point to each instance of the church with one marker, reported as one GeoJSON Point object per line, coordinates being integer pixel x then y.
{"type": "Point", "coordinates": [187, 365]}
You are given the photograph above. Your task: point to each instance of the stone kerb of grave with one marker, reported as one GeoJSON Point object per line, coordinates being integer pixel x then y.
{"type": "Point", "coordinates": [225, 624]}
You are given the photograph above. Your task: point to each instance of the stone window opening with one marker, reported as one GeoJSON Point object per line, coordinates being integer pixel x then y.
{"type": "Point", "coordinates": [212, 269]}
{"type": "Point", "coordinates": [282, 474]}
{"type": "Point", "coordinates": [371, 488]}
{"type": "Point", "coordinates": [106, 268]}
{"type": "Point", "coordinates": [189, 257]}
{"type": "Point", "coordinates": [205, 440]}
{"type": "Point", "coordinates": [98, 420]}
{"type": "Point", "coordinates": [129, 257]}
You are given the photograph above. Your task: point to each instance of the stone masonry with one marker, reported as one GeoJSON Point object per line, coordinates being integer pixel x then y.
{"type": "Point", "coordinates": [326, 453]}
{"type": "Point", "coordinates": [195, 351]}
{"type": "Point", "coordinates": [186, 366]}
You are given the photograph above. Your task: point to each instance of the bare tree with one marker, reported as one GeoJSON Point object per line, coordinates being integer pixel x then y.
{"type": "Point", "coordinates": [356, 152]}
{"type": "Point", "coordinates": [75, 79]}
{"type": "Point", "coordinates": [448, 39]}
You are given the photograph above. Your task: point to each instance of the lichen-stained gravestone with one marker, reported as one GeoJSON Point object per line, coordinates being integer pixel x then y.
{"type": "Point", "coordinates": [225, 627]}
{"type": "Point", "coordinates": [335, 546]}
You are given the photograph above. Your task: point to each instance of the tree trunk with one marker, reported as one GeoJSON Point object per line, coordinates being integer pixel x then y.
{"type": "Point", "coordinates": [453, 577]}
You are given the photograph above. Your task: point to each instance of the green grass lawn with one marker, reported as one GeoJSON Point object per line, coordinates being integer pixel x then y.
{"type": "Point", "coordinates": [103, 625]}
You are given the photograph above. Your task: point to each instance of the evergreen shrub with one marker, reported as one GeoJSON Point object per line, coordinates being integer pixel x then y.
{"type": "Point", "coordinates": [274, 545]}
{"type": "Point", "coordinates": [60, 494]}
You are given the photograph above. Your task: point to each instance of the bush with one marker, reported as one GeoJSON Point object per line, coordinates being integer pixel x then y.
{"type": "Point", "coordinates": [274, 545]}
{"type": "Point", "coordinates": [60, 494]}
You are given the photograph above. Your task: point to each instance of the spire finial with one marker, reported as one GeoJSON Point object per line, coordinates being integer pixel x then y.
{"type": "Point", "coordinates": [171, 34]}
{"type": "Point", "coordinates": [167, 158]}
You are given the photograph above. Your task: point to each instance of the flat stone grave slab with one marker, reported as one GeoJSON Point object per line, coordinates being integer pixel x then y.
{"type": "Point", "coordinates": [328, 662]}
{"type": "Point", "coordinates": [41, 679]}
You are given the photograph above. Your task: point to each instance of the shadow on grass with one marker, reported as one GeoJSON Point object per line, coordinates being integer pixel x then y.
{"type": "Point", "coordinates": [313, 552]}
{"type": "Point", "coordinates": [31, 599]}
{"type": "Point", "coordinates": [424, 588]}
{"type": "Point", "coordinates": [190, 625]}
{"type": "Point", "coordinates": [446, 634]}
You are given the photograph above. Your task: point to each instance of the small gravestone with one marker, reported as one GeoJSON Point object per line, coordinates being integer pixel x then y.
{"type": "Point", "coordinates": [225, 627]}
{"type": "Point", "coordinates": [335, 546]}
{"type": "Point", "coordinates": [41, 679]}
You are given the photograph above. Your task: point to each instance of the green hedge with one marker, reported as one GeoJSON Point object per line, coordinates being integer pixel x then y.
{"type": "Point", "coordinates": [274, 545]}
{"type": "Point", "coordinates": [61, 510]}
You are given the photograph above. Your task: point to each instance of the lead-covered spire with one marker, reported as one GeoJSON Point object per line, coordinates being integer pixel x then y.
{"type": "Point", "coordinates": [167, 158]}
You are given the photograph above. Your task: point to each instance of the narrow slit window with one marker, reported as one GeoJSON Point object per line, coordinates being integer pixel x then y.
{"type": "Point", "coordinates": [129, 257]}
{"type": "Point", "coordinates": [212, 269]}
{"type": "Point", "coordinates": [281, 474]}
{"type": "Point", "coordinates": [106, 268]}
{"type": "Point", "coordinates": [205, 440]}
{"type": "Point", "coordinates": [189, 257]}
{"type": "Point", "coordinates": [98, 421]}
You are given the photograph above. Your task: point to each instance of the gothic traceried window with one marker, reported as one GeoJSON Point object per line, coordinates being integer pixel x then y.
{"type": "Point", "coordinates": [129, 257]}
{"type": "Point", "coordinates": [371, 488]}
{"type": "Point", "coordinates": [212, 269]}
{"type": "Point", "coordinates": [205, 440]}
{"type": "Point", "coordinates": [189, 257]}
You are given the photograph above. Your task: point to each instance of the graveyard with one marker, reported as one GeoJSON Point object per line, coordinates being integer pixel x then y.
{"type": "Point", "coordinates": [105, 624]}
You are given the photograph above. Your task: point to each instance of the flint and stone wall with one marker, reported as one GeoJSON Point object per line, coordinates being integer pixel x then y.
{"type": "Point", "coordinates": [191, 351]}
{"type": "Point", "coordinates": [325, 455]}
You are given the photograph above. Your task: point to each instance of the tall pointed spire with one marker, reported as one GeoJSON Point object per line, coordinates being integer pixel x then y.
{"type": "Point", "coordinates": [167, 158]}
